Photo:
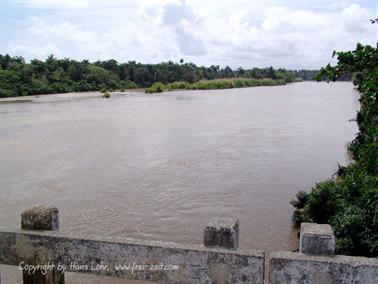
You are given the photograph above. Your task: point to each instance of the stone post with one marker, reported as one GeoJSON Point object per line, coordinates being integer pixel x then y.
{"type": "Point", "coordinates": [223, 233]}
{"type": "Point", "coordinates": [317, 239]}
{"type": "Point", "coordinates": [41, 218]}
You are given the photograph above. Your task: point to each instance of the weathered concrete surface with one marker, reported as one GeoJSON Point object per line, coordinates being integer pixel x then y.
{"type": "Point", "coordinates": [196, 264]}
{"type": "Point", "coordinates": [222, 232]}
{"type": "Point", "coordinates": [40, 218]}
{"type": "Point", "coordinates": [317, 239]}
{"type": "Point", "coordinates": [298, 268]}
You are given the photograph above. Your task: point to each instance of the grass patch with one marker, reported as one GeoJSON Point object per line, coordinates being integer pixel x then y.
{"type": "Point", "coordinates": [213, 84]}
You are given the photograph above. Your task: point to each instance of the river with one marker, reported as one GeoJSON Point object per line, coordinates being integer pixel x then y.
{"type": "Point", "coordinates": [160, 166]}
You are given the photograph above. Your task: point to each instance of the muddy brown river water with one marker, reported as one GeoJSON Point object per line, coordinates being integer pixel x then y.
{"type": "Point", "coordinates": [161, 166]}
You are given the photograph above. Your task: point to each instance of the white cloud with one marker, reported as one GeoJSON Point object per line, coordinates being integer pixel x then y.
{"type": "Point", "coordinates": [246, 33]}
{"type": "Point", "coordinates": [64, 30]}
{"type": "Point", "coordinates": [286, 37]}
{"type": "Point", "coordinates": [140, 40]}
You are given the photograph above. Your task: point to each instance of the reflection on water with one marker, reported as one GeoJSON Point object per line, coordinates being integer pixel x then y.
{"type": "Point", "coordinates": [161, 166]}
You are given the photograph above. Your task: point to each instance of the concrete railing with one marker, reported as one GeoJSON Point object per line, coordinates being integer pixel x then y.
{"type": "Point", "coordinates": [316, 261]}
{"type": "Point", "coordinates": [40, 243]}
{"type": "Point", "coordinates": [45, 254]}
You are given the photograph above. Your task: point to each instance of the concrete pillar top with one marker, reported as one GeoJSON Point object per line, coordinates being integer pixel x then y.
{"type": "Point", "coordinates": [224, 222]}
{"type": "Point", "coordinates": [222, 232]}
{"type": "Point", "coordinates": [316, 229]}
{"type": "Point", "coordinates": [40, 218]}
{"type": "Point", "coordinates": [317, 239]}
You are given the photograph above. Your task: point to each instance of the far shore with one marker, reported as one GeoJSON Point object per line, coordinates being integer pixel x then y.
{"type": "Point", "coordinates": [68, 95]}
{"type": "Point", "coordinates": [90, 94]}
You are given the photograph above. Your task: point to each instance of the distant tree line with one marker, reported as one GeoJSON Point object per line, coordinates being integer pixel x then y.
{"type": "Point", "coordinates": [19, 78]}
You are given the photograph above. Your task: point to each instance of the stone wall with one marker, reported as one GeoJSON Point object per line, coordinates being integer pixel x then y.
{"type": "Point", "coordinates": [292, 268]}
{"type": "Point", "coordinates": [196, 264]}
{"type": "Point", "coordinates": [316, 261]}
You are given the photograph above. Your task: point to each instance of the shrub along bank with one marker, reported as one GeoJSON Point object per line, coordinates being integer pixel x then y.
{"type": "Point", "coordinates": [349, 201]}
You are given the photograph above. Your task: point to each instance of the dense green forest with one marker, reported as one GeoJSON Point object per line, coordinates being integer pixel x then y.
{"type": "Point", "coordinates": [19, 78]}
{"type": "Point", "coordinates": [349, 201]}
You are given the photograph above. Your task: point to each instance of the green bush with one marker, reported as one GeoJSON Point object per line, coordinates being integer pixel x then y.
{"type": "Point", "coordinates": [297, 217]}
{"type": "Point", "coordinates": [106, 94]}
{"type": "Point", "coordinates": [6, 93]}
{"type": "Point", "coordinates": [300, 199]}
{"type": "Point", "coordinates": [214, 84]}
{"type": "Point", "coordinates": [156, 88]}
{"type": "Point", "coordinates": [349, 202]}
{"type": "Point", "coordinates": [325, 195]}
{"type": "Point", "coordinates": [128, 85]}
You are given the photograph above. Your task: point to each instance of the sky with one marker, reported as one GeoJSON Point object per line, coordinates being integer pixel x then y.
{"type": "Point", "coordinates": [293, 34]}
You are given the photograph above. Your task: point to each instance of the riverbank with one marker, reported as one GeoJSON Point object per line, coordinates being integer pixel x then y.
{"type": "Point", "coordinates": [62, 96]}
{"type": "Point", "coordinates": [53, 76]}
{"type": "Point", "coordinates": [216, 84]}
{"type": "Point", "coordinates": [155, 88]}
